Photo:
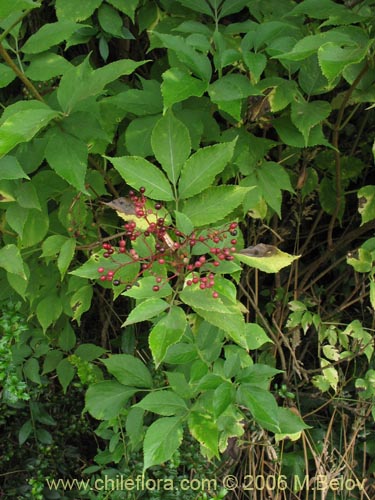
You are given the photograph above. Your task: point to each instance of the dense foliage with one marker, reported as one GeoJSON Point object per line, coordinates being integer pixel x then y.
{"type": "Point", "coordinates": [154, 156]}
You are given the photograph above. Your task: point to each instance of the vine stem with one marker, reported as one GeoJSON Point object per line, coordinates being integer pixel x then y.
{"type": "Point", "coordinates": [19, 73]}
{"type": "Point", "coordinates": [335, 143]}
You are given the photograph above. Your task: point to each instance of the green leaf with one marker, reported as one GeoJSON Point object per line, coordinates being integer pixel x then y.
{"type": "Point", "coordinates": [7, 75]}
{"type": "Point", "coordinates": [47, 65]}
{"type": "Point", "coordinates": [291, 425]}
{"type": "Point", "coordinates": [179, 85]}
{"type": "Point", "coordinates": [110, 20]}
{"type": "Point", "coordinates": [23, 125]}
{"type": "Point", "coordinates": [48, 310]}
{"type": "Point", "coordinates": [157, 450]}
{"type": "Point", "coordinates": [334, 58]}
{"type": "Point", "coordinates": [65, 373]}
{"type": "Point", "coordinates": [31, 370]}
{"type": "Point", "coordinates": [305, 115]}
{"type": "Point", "coordinates": [146, 310]}
{"type": "Point", "coordinates": [290, 135]}
{"type": "Point", "coordinates": [147, 101]}
{"type": "Point", "coordinates": [11, 169]}
{"type": "Point", "coordinates": [255, 336]}
{"type": "Point", "coordinates": [49, 35]}
{"type": "Point", "coordinates": [256, 63]}
{"type": "Point", "coordinates": [82, 82]}
{"type": "Point", "coordinates": [128, 370]}
{"type": "Point", "coordinates": [366, 203]}
{"type": "Point", "coordinates": [138, 172]}
{"type": "Point", "coordinates": [66, 255]}
{"type": "Point", "coordinates": [202, 167]}
{"type": "Point", "coordinates": [7, 7]}
{"type": "Point", "coordinates": [25, 431]}
{"type": "Point", "coordinates": [67, 156]}
{"type": "Point", "coordinates": [89, 352]}
{"type": "Point", "coordinates": [81, 301]}
{"type": "Point", "coordinates": [143, 289]}
{"type": "Point", "coordinates": [134, 426]}
{"type": "Point", "coordinates": [183, 223]}
{"type": "Point", "coordinates": [204, 429]}
{"type": "Point", "coordinates": [27, 196]}
{"type": "Point", "coordinates": [170, 142]}
{"type": "Point", "coordinates": [224, 395]}
{"type": "Point", "coordinates": [197, 5]}
{"type": "Point", "coordinates": [73, 11]}
{"type": "Point", "coordinates": [166, 332]}
{"type": "Point", "coordinates": [194, 60]}
{"type": "Point", "coordinates": [261, 404]}
{"type": "Point", "coordinates": [128, 7]}
{"type": "Point", "coordinates": [227, 92]}
{"type": "Point", "coordinates": [11, 260]}
{"type": "Point", "coordinates": [138, 135]}
{"type": "Point", "coordinates": [105, 400]}
{"type": "Point", "coordinates": [209, 207]}
{"type": "Point", "coordinates": [51, 361]}
{"type": "Point", "coordinates": [166, 403]}
{"type": "Point", "coordinates": [271, 264]}
{"type": "Point", "coordinates": [52, 245]}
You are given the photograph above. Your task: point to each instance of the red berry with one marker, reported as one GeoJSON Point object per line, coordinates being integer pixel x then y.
{"type": "Point", "coordinates": [215, 295]}
{"type": "Point", "coordinates": [122, 243]}
{"type": "Point", "coordinates": [142, 189]}
{"type": "Point", "coordinates": [116, 282]}
{"type": "Point", "coordinates": [198, 264]}
{"type": "Point", "coordinates": [201, 238]}
{"type": "Point", "coordinates": [233, 225]}
{"type": "Point", "coordinates": [110, 273]}
{"type": "Point", "coordinates": [189, 283]}
{"type": "Point", "coordinates": [161, 261]}
{"type": "Point", "coordinates": [234, 241]}
{"type": "Point", "coordinates": [158, 206]}
{"type": "Point", "coordinates": [102, 278]}
{"type": "Point", "coordinates": [159, 279]}
{"type": "Point", "coordinates": [156, 288]}
{"type": "Point", "coordinates": [106, 255]}
{"type": "Point", "coordinates": [216, 263]}
{"type": "Point", "coordinates": [202, 286]}
{"type": "Point", "coordinates": [195, 280]}
{"type": "Point", "coordinates": [100, 269]}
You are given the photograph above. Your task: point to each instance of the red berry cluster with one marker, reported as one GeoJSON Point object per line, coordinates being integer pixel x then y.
{"type": "Point", "coordinates": [170, 247]}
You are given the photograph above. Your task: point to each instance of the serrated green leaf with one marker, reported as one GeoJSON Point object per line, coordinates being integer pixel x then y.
{"type": "Point", "coordinates": [146, 310]}
{"type": "Point", "coordinates": [179, 85]}
{"type": "Point", "coordinates": [209, 207]}
{"type": "Point", "coordinates": [138, 172]}
{"type": "Point", "coordinates": [128, 370]}
{"type": "Point", "coordinates": [261, 404]}
{"type": "Point", "coordinates": [129, 7]}
{"type": "Point", "coordinates": [49, 35]}
{"type": "Point", "coordinates": [48, 310]}
{"type": "Point", "coordinates": [202, 167]}
{"type": "Point", "coordinates": [196, 61]}
{"type": "Point", "coordinates": [171, 144]}
{"type": "Point", "coordinates": [66, 255]}
{"type": "Point", "coordinates": [76, 11]}
{"type": "Point", "coordinates": [67, 156]}
{"type": "Point", "coordinates": [81, 301]}
{"type": "Point", "coordinates": [65, 373]}
{"type": "Point", "coordinates": [105, 400]}
{"type": "Point", "coordinates": [47, 65]}
{"type": "Point", "coordinates": [166, 332]}
{"type": "Point", "coordinates": [166, 403]}
{"type": "Point", "coordinates": [11, 169]}
{"type": "Point", "coordinates": [11, 260]}
{"type": "Point", "coordinates": [23, 125]}
{"type": "Point", "coordinates": [305, 115]}
{"type": "Point", "coordinates": [156, 450]}
{"type": "Point", "coordinates": [334, 57]}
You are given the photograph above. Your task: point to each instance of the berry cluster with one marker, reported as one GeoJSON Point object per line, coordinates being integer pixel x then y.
{"type": "Point", "coordinates": [192, 257]}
